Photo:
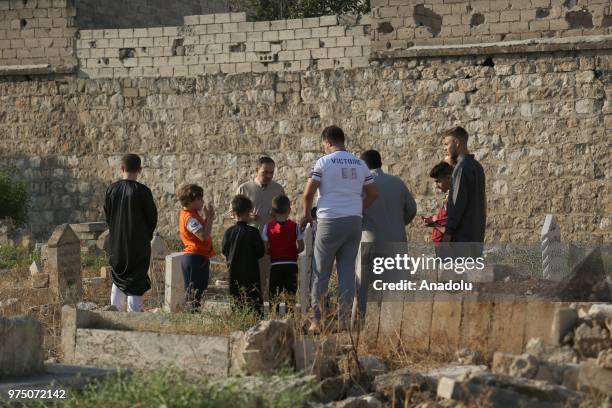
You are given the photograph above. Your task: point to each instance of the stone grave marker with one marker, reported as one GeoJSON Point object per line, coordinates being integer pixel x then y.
{"type": "Point", "coordinates": [21, 351]}
{"type": "Point", "coordinates": [159, 251]}
{"type": "Point", "coordinates": [64, 261]}
{"type": "Point", "coordinates": [552, 257]}
{"type": "Point", "coordinates": [305, 268]}
{"type": "Point", "coordinates": [174, 288]}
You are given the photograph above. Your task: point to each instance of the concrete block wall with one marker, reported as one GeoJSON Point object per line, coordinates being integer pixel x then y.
{"type": "Point", "coordinates": [227, 43]}
{"type": "Point", "coordinates": [403, 23]}
{"type": "Point", "coordinates": [94, 14]}
{"type": "Point", "coordinates": [37, 32]}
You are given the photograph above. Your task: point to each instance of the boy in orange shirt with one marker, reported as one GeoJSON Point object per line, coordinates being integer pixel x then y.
{"type": "Point", "coordinates": [197, 242]}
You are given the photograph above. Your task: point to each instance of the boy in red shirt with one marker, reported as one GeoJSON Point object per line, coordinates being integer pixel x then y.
{"type": "Point", "coordinates": [283, 239]}
{"type": "Point", "coordinates": [441, 173]}
{"type": "Point", "coordinates": [197, 242]}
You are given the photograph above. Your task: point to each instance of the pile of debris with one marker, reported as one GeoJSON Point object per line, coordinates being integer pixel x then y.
{"type": "Point", "coordinates": [579, 367]}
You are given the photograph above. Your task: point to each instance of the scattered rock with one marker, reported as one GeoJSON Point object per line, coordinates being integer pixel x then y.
{"type": "Point", "coordinates": [363, 401]}
{"type": "Point", "coordinates": [106, 272]}
{"type": "Point", "coordinates": [553, 354]}
{"type": "Point", "coordinates": [564, 321]}
{"type": "Point", "coordinates": [604, 359]}
{"type": "Point", "coordinates": [594, 378]}
{"type": "Point", "coordinates": [600, 312]}
{"type": "Point", "coordinates": [524, 365]}
{"type": "Point", "coordinates": [317, 355]}
{"type": "Point", "coordinates": [7, 304]}
{"type": "Point", "coordinates": [40, 280]}
{"type": "Point", "coordinates": [457, 372]}
{"type": "Point", "coordinates": [589, 341]}
{"type": "Point", "coordinates": [370, 365]}
{"type": "Point", "coordinates": [35, 268]}
{"type": "Point", "coordinates": [263, 348]}
{"type": "Point", "coordinates": [396, 384]}
{"type": "Point", "coordinates": [86, 306]}
{"type": "Point", "coordinates": [330, 389]}
{"type": "Point", "coordinates": [109, 308]}
{"type": "Point", "coordinates": [468, 357]}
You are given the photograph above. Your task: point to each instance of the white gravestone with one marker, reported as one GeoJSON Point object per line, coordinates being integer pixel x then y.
{"type": "Point", "coordinates": [552, 258]}
{"type": "Point", "coordinates": [159, 251]}
{"type": "Point", "coordinates": [174, 290]}
{"type": "Point", "coordinates": [305, 268]}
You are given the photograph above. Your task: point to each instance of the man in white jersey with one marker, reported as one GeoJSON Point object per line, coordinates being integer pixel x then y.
{"type": "Point", "coordinates": [340, 178]}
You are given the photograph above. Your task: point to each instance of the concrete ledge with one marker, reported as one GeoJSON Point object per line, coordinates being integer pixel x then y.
{"type": "Point", "coordinates": [537, 45]}
{"type": "Point", "coordinates": [37, 69]}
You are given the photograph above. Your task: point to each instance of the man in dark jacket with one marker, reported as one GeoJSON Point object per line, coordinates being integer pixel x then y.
{"type": "Point", "coordinates": [467, 203]}
{"type": "Point", "coordinates": [131, 216]}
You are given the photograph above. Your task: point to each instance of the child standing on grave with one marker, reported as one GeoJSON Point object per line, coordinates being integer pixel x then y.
{"type": "Point", "coordinates": [441, 174]}
{"type": "Point", "coordinates": [243, 247]}
{"type": "Point", "coordinates": [284, 241]}
{"type": "Point", "coordinates": [131, 216]}
{"type": "Point", "coordinates": [197, 242]}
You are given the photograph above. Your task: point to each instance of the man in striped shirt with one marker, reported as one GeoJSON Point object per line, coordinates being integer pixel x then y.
{"type": "Point", "coordinates": [340, 179]}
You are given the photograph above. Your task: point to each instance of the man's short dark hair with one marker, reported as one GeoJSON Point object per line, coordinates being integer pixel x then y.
{"type": "Point", "coordinates": [281, 204]}
{"type": "Point", "coordinates": [188, 193]}
{"type": "Point", "coordinates": [333, 134]}
{"type": "Point", "coordinates": [372, 159]}
{"type": "Point", "coordinates": [241, 204]}
{"type": "Point", "coordinates": [458, 132]}
{"type": "Point", "coordinates": [264, 160]}
{"type": "Point", "coordinates": [131, 162]}
{"type": "Point", "coordinates": [441, 170]}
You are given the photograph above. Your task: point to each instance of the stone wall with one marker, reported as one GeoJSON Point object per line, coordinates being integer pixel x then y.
{"type": "Point", "coordinates": [92, 14]}
{"type": "Point", "coordinates": [538, 123]}
{"type": "Point", "coordinates": [37, 32]}
{"type": "Point", "coordinates": [225, 43]}
{"type": "Point", "coordinates": [404, 23]}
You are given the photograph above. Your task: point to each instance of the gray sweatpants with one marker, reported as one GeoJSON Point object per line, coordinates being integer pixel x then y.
{"type": "Point", "coordinates": [337, 239]}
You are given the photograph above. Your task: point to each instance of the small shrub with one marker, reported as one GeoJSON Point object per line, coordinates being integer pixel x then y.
{"type": "Point", "coordinates": [14, 198]}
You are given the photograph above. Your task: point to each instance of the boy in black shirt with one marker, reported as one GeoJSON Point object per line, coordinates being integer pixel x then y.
{"type": "Point", "coordinates": [242, 247]}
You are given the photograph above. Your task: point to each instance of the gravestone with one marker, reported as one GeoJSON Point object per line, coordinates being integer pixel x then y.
{"type": "Point", "coordinates": [174, 288]}
{"type": "Point", "coordinates": [21, 348]}
{"type": "Point", "coordinates": [64, 261]}
{"type": "Point", "coordinates": [159, 251]}
{"type": "Point", "coordinates": [553, 266]}
{"type": "Point", "coordinates": [305, 268]}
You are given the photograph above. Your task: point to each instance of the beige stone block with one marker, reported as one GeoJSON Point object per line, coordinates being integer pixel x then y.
{"type": "Point", "coordinates": [261, 26]}
{"type": "Point", "coordinates": [237, 57]}
{"type": "Point", "coordinates": [286, 56]}
{"type": "Point", "coordinates": [214, 28]}
{"type": "Point", "coordinates": [222, 38]}
{"type": "Point", "coordinates": [130, 42]}
{"type": "Point", "coordinates": [245, 26]}
{"type": "Point", "coordinates": [124, 33]}
{"type": "Point", "coordinates": [141, 32]}
{"type": "Point", "coordinates": [238, 37]}
{"type": "Point", "coordinates": [344, 41]}
{"type": "Point", "coordinates": [310, 22]}
{"type": "Point", "coordinates": [278, 25]}
{"type": "Point", "coordinates": [86, 34]}
{"type": "Point", "coordinates": [221, 18]}
{"type": "Point", "coordinates": [144, 42]}
{"type": "Point", "coordinates": [311, 43]}
{"type": "Point", "coordinates": [353, 52]}
{"type": "Point", "coordinates": [270, 36]}
{"type": "Point", "coordinates": [294, 24]}
{"type": "Point", "coordinates": [221, 58]}
{"type": "Point", "coordinates": [328, 21]}
{"type": "Point", "coordinates": [161, 42]}
{"type": "Point", "coordinates": [191, 20]}
{"type": "Point", "coordinates": [238, 17]}
{"type": "Point", "coordinates": [195, 70]}
{"type": "Point", "coordinates": [360, 62]}
{"type": "Point", "coordinates": [258, 67]}
{"type": "Point", "coordinates": [302, 54]}
{"type": "Point", "coordinates": [303, 33]}
{"type": "Point", "coordinates": [168, 32]}
{"type": "Point", "coordinates": [243, 67]}
{"type": "Point", "coordinates": [294, 45]}
{"type": "Point", "coordinates": [228, 68]}
{"type": "Point", "coordinates": [286, 35]}
{"type": "Point", "coordinates": [180, 72]}
{"type": "Point", "coordinates": [230, 27]}
{"type": "Point", "coordinates": [262, 46]}
{"type": "Point", "coordinates": [318, 53]}
{"type": "Point", "coordinates": [254, 36]}
{"type": "Point", "coordinates": [207, 19]}
{"type": "Point", "coordinates": [212, 69]}
{"type": "Point", "coordinates": [275, 66]}
{"type": "Point", "coordinates": [336, 31]}
{"type": "Point", "coordinates": [325, 64]}
{"type": "Point", "coordinates": [206, 59]}
{"type": "Point", "coordinates": [538, 25]}
{"type": "Point", "coordinates": [509, 15]}
{"type": "Point", "coordinates": [319, 32]}
{"type": "Point", "coordinates": [121, 72]}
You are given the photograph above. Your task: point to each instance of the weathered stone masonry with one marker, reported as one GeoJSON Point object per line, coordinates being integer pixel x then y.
{"type": "Point", "coordinates": [539, 114]}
